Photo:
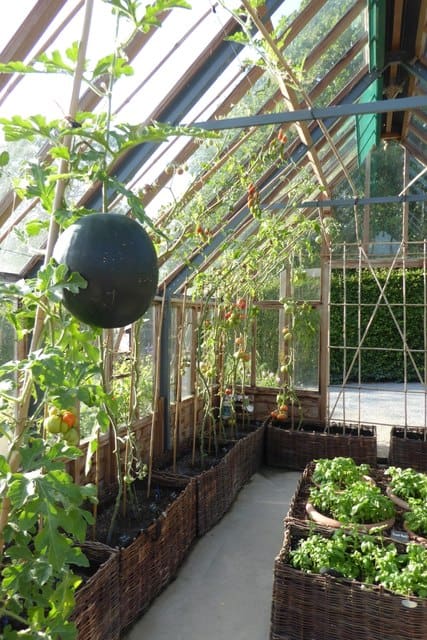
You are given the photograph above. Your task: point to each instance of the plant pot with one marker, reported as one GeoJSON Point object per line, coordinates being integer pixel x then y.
{"type": "Point", "coordinates": [293, 448]}
{"type": "Point", "coordinates": [298, 515]}
{"type": "Point", "coordinates": [325, 521]}
{"type": "Point", "coordinates": [402, 504]}
{"type": "Point", "coordinates": [408, 448]}
{"type": "Point", "coordinates": [416, 537]}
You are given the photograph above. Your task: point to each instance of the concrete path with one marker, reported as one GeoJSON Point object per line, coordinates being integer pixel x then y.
{"type": "Point", "coordinates": [223, 590]}
{"type": "Point", "coordinates": [385, 405]}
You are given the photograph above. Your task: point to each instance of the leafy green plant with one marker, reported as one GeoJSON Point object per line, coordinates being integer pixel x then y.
{"type": "Point", "coordinates": [43, 515]}
{"type": "Point", "coordinates": [366, 558]}
{"type": "Point", "coordinates": [340, 553]}
{"type": "Point", "coordinates": [339, 471]}
{"type": "Point", "coordinates": [408, 483]}
{"type": "Point", "coordinates": [344, 491]}
{"type": "Point", "coordinates": [410, 576]}
{"type": "Point", "coordinates": [416, 518]}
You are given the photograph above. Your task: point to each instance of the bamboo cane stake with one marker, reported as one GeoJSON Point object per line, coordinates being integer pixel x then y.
{"type": "Point", "coordinates": [125, 493]}
{"type": "Point", "coordinates": [194, 316]}
{"type": "Point", "coordinates": [156, 392]}
{"type": "Point", "coordinates": [178, 398]}
{"type": "Point", "coordinates": [425, 334]}
{"type": "Point", "coordinates": [195, 414]}
{"type": "Point", "coordinates": [22, 406]}
{"type": "Point", "coordinates": [97, 465]}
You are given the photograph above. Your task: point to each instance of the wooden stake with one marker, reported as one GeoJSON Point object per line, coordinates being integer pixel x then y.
{"type": "Point", "coordinates": [180, 337]}
{"type": "Point", "coordinates": [156, 393]}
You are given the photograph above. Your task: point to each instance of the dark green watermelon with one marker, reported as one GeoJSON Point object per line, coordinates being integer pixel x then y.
{"type": "Point", "coordinates": [116, 257]}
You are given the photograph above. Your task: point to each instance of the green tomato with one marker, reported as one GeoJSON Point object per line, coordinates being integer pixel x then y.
{"type": "Point", "coordinates": [64, 427]}
{"type": "Point", "coordinates": [52, 424]}
{"type": "Point", "coordinates": [72, 436]}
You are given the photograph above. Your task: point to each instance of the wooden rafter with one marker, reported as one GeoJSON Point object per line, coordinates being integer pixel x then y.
{"type": "Point", "coordinates": [420, 45]}
{"type": "Point", "coordinates": [393, 89]}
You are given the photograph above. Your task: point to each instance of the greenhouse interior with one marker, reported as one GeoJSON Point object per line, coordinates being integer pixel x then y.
{"type": "Point", "coordinates": [213, 327]}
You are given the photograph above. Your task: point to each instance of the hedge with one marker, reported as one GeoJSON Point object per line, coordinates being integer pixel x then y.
{"type": "Point", "coordinates": [377, 365]}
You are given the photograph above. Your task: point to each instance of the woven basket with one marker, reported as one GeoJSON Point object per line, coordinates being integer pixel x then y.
{"type": "Point", "coordinates": [97, 609]}
{"type": "Point", "coordinates": [249, 454]}
{"type": "Point", "coordinates": [216, 491]}
{"type": "Point", "coordinates": [321, 607]}
{"type": "Point", "coordinates": [295, 448]}
{"type": "Point", "coordinates": [409, 451]}
{"type": "Point", "coordinates": [218, 486]}
{"type": "Point", "coordinates": [152, 560]}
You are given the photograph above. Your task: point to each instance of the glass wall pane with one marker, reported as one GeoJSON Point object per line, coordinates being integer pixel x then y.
{"type": "Point", "coordinates": [267, 348]}
{"type": "Point", "coordinates": [186, 363]}
{"type": "Point", "coordinates": [146, 369]}
{"type": "Point", "coordinates": [306, 344]}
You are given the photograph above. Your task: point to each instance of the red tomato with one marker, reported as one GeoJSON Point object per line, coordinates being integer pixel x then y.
{"type": "Point", "coordinates": [69, 418]}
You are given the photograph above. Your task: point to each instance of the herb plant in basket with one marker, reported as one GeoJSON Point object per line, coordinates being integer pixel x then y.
{"type": "Point", "coordinates": [406, 484]}
{"type": "Point", "coordinates": [365, 558]}
{"type": "Point", "coordinates": [415, 520]}
{"type": "Point", "coordinates": [360, 503]}
{"type": "Point", "coordinates": [340, 471]}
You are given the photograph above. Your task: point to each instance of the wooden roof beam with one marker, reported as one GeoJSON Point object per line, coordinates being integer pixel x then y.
{"type": "Point", "coordinates": [392, 90]}
{"type": "Point", "coordinates": [420, 44]}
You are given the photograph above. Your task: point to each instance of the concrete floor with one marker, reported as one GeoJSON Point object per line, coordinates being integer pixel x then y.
{"type": "Point", "coordinates": [223, 590]}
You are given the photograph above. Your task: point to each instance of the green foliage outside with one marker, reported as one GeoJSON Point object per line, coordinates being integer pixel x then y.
{"type": "Point", "coordinates": [382, 357]}
{"type": "Point", "coordinates": [7, 341]}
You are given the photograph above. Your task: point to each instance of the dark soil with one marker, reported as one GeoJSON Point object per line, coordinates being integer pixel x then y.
{"type": "Point", "coordinates": [211, 456]}
{"type": "Point", "coordinates": [334, 429]}
{"type": "Point", "coordinates": [419, 435]}
{"type": "Point", "coordinates": [141, 511]}
{"type": "Point", "coordinates": [187, 467]}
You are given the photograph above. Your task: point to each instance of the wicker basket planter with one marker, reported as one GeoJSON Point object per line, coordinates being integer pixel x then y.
{"type": "Point", "coordinates": [152, 560]}
{"type": "Point", "coordinates": [149, 555]}
{"type": "Point", "coordinates": [321, 607]}
{"type": "Point", "coordinates": [294, 448]}
{"type": "Point", "coordinates": [249, 454]}
{"type": "Point", "coordinates": [408, 448]}
{"type": "Point", "coordinates": [97, 603]}
{"type": "Point", "coordinates": [218, 486]}
{"type": "Point", "coordinates": [215, 488]}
